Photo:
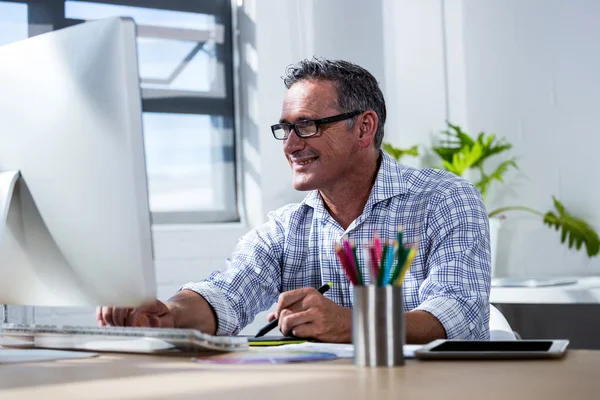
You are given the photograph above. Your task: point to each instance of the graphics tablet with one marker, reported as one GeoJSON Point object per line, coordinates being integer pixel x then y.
{"type": "Point", "coordinates": [274, 340]}
{"type": "Point", "coordinates": [496, 349]}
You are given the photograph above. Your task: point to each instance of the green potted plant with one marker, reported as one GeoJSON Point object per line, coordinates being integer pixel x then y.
{"type": "Point", "coordinates": [466, 156]}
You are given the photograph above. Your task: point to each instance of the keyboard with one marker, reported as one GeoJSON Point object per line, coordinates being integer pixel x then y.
{"type": "Point", "coordinates": [118, 339]}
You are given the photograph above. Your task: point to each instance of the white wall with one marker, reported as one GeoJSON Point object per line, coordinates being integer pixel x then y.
{"type": "Point", "coordinates": [414, 63]}
{"type": "Point", "coordinates": [533, 76]}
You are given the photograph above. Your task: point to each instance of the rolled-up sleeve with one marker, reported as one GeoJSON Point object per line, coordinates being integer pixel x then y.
{"type": "Point", "coordinates": [457, 288]}
{"type": "Point", "coordinates": [251, 281]}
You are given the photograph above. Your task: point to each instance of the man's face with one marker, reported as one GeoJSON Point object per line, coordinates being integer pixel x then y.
{"type": "Point", "coordinates": [319, 161]}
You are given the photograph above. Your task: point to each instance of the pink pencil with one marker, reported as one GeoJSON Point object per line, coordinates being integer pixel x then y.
{"type": "Point", "coordinates": [350, 257]}
{"type": "Point", "coordinates": [378, 249]}
{"type": "Point", "coordinates": [345, 263]}
{"type": "Point", "coordinates": [374, 263]}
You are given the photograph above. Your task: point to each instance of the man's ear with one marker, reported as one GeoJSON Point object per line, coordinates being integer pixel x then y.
{"type": "Point", "coordinates": [367, 127]}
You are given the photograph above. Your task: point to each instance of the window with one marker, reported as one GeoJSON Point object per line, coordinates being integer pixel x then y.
{"type": "Point", "coordinates": [186, 73]}
{"type": "Point", "coordinates": [13, 22]}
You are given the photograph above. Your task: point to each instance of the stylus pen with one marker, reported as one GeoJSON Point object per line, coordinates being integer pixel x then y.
{"type": "Point", "coordinates": [271, 325]}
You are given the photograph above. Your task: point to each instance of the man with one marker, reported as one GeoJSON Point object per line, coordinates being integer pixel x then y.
{"type": "Point", "coordinates": [331, 127]}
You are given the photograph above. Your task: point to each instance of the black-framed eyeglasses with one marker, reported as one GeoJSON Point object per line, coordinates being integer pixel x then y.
{"type": "Point", "coordinates": [308, 127]}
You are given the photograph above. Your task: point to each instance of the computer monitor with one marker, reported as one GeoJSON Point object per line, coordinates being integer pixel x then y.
{"type": "Point", "coordinates": [74, 214]}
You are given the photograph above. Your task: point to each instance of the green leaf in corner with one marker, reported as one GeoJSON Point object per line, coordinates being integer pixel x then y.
{"type": "Point", "coordinates": [577, 231]}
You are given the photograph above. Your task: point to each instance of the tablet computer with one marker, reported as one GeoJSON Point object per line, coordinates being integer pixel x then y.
{"type": "Point", "coordinates": [492, 349]}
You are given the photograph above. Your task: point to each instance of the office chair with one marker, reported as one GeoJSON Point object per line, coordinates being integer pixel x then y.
{"type": "Point", "coordinates": [499, 327]}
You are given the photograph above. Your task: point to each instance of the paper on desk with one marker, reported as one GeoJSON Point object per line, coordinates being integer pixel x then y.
{"type": "Point", "coordinates": [340, 350]}
{"type": "Point", "coordinates": [10, 356]}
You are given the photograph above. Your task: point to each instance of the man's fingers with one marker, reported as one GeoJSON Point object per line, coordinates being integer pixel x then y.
{"type": "Point", "coordinates": [154, 322]}
{"type": "Point", "coordinates": [288, 299]}
{"type": "Point", "coordinates": [111, 316]}
{"type": "Point", "coordinates": [271, 316]}
{"type": "Point", "coordinates": [99, 318]}
{"type": "Point", "coordinates": [106, 314]}
{"type": "Point", "coordinates": [138, 318]}
{"type": "Point", "coordinates": [308, 330]}
{"type": "Point", "coordinates": [281, 317]}
{"type": "Point", "coordinates": [119, 316]}
{"type": "Point", "coordinates": [292, 320]}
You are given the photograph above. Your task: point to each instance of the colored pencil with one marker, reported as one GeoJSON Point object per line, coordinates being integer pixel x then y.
{"type": "Point", "coordinates": [389, 263]}
{"type": "Point", "coordinates": [411, 256]}
{"type": "Point", "coordinates": [348, 250]}
{"type": "Point", "coordinates": [381, 272]}
{"type": "Point", "coordinates": [374, 263]}
{"type": "Point", "coordinates": [402, 256]}
{"type": "Point", "coordinates": [356, 263]}
{"type": "Point", "coordinates": [399, 237]}
{"type": "Point", "coordinates": [378, 249]}
{"type": "Point", "coordinates": [345, 263]}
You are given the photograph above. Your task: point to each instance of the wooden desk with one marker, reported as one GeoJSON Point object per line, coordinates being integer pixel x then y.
{"type": "Point", "coordinates": [152, 377]}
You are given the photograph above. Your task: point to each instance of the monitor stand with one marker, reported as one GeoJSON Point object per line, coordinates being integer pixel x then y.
{"type": "Point", "coordinates": [8, 180]}
{"type": "Point", "coordinates": [29, 252]}
{"type": "Point", "coordinates": [11, 218]}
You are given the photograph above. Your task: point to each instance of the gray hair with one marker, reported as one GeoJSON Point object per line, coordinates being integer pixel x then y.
{"type": "Point", "coordinates": [357, 88]}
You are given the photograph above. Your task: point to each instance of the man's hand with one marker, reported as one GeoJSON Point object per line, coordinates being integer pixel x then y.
{"type": "Point", "coordinates": [155, 314]}
{"type": "Point", "coordinates": [186, 309]}
{"type": "Point", "coordinates": [307, 313]}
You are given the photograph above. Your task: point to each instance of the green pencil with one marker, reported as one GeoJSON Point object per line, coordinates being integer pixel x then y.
{"type": "Point", "coordinates": [382, 265]}
{"type": "Point", "coordinates": [402, 255]}
{"type": "Point", "coordinates": [400, 244]}
{"type": "Point", "coordinates": [358, 270]}
{"type": "Point", "coordinates": [401, 258]}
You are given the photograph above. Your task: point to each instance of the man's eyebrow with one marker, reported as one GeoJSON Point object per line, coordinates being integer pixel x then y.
{"type": "Point", "coordinates": [299, 118]}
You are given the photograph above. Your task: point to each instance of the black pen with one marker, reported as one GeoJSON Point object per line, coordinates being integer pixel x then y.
{"type": "Point", "coordinates": [271, 325]}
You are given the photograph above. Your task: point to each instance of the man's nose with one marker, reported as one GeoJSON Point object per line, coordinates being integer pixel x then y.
{"type": "Point", "coordinates": [293, 142]}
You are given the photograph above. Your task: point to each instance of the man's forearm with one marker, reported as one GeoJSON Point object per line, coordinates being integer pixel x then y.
{"type": "Point", "coordinates": [422, 327]}
{"type": "Point", "coordinates": [190, 310]}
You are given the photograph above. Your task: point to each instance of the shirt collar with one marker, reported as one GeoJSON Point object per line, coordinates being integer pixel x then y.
{"type": "Point", "coordinates": [389, 183]}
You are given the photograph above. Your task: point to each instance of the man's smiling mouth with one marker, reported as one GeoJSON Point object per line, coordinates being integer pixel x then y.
{"type": "Point", "coordinates": [304, 161]}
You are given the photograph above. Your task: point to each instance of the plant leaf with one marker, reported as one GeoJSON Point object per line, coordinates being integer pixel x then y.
{"type": "Point", "coordinates": [446, 153]}
{"type": "Point", "coordinates": [463, 137]}
{"type": "Point", "coordinates": [491, 146]}
{"type": "Point", "coordinates": [498, 175]}
{"type": "Point", "coordinates": [576, 230]}
{"type": "Point", "coordinates": [464, 159]}
{"type": "Point", "coordinates": [454, 142]}
{"type": "Point", "coordinates": [398, 153]}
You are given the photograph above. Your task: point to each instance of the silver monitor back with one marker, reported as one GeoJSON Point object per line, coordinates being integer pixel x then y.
{"type": "Point", "coordinates": [76, 229]}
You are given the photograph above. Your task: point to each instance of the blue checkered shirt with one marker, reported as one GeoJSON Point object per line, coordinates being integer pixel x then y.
{"type": "Point", "coordinates": [449, 277]}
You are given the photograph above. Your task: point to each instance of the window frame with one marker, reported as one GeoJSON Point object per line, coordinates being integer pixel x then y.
{"type": "Point", "coordinates": [48, 15]}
